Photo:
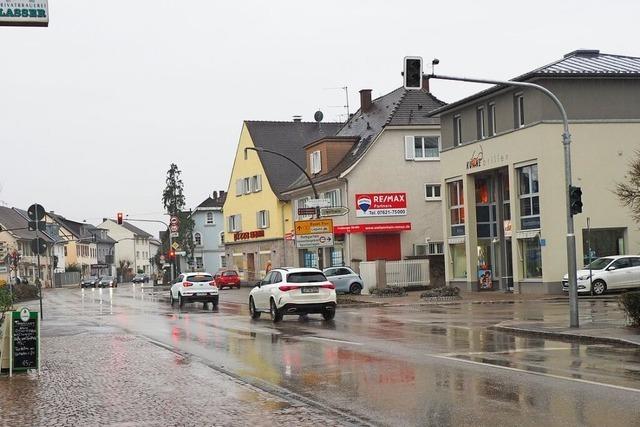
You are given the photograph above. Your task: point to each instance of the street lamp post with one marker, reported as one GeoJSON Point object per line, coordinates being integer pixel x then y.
{"type": "Point", "coordinates": [566, 142]}
{"type": "Point", "coordinates": [168, 231]}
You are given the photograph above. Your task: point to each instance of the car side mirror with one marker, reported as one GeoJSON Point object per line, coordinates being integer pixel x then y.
{"type": "Point", "coordinates": [259, 283]}
{"type": "Point", "coordinates": [611, 268]}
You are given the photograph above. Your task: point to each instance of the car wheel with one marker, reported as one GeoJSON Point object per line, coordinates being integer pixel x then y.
{"type": "Point", "coordinates": [171, 300]}
{"type": "Point", "coordinates": [180, 300]}
{"type": "Point", "coordinates": [356, 288]}
{"type": "Point", "coordinates": [328, 314]}
{"type": "Point", "coordinates": [276, 315]}
{"type": "Point", "coordinates": [598, 287]}
{"type": "Point", "coordinates": [255, 314]}
{"type": "Point", "coordinates": [214, 303]}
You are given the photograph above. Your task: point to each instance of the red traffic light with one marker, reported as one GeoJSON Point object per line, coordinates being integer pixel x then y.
{"type": "Point", "coordinates": [172, 254]}
{"type": "Point", "coordinates": [119, 218]}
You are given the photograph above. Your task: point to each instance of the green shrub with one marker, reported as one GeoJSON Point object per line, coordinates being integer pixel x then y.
{"type": "Point", "coordinates": [443, 291]}
{"type": "Point", "coordinates": [630, 303]}
{"type": "Point", "coordinates": [24, 292]}
{"type": "Point", "coordinates": [6, 302]}
{"type": "Point", "coordinates": [388, 291]}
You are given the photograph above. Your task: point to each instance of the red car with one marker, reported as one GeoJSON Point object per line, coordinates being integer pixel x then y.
{"type": "Point", "coordinates": [228, 279]}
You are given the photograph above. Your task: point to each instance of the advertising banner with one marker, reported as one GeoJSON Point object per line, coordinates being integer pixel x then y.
{"type": "Point", "coordinates": [381, 204]}
{"type": "Point", "coordinates": [24, 13]}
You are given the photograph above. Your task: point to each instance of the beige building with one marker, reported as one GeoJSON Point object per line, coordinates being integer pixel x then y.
{"type": "Point", "coordinates": [384, 166]}
{"type": "Point", "coordinates": [503, 172]}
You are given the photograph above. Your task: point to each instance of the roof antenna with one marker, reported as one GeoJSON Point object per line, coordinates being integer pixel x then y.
{"type": "Point", "coordinates": [318, 116]}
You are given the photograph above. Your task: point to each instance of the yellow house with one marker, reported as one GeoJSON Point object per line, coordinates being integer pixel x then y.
{"type": "Point", "coordinates": [258, 218]}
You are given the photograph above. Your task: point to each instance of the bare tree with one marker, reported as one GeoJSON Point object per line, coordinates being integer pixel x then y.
{"type": "Point", "coordinates": [629, 192]}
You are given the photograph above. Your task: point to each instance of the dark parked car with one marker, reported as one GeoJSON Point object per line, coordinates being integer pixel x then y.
{"type": "Point", "coordinates": [108, 282]}
{"type": "Point", "coordinates": [89, 282]}
{"type": "Point", "coordinates": [140, 278]}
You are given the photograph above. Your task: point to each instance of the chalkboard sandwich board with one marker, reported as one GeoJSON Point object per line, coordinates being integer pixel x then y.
{"type": "Point", "coordinates": [25, 340]}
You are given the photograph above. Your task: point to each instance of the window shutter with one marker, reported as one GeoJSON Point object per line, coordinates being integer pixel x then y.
{"type": "Point", "coordinates": [409, 152]}
{"type": "Point", "coordinates": [258, 222]}
{"type": "Point", "coordinates": [258, 183]}
{"type": "Point", "coordinates": [266, 219]}
{"type": "Point", "coordinates": [239, 222]}
{"type": "Point", "coordinates": [229, 222]}
{"type": "Point", "coordinates": [239, 187]}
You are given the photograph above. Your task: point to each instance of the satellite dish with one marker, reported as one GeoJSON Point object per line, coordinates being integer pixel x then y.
{"type": "Point", "coordinates": [318, 116]}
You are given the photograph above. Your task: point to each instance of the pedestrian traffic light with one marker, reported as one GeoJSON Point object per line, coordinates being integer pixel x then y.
{"type": "Point", "coordinates": [575, 200]}
{"type": "Point", "coordinates": [119, 217]}
{"type": "Point", "coordinates": [412, 72]}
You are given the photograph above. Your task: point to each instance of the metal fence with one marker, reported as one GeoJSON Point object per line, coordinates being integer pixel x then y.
{"type": "Point", "coordinates": [66, 279]}
{"type": "Point", "coordinates": [414, 272]}
{"type": "Point", "coordinates": [400, 274]}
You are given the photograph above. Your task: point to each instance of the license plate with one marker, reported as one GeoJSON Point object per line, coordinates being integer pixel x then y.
{"type": "Point", "coordinates": [310, 290]}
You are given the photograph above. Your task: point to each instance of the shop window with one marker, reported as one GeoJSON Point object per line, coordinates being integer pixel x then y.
{"type": "Point", "coordinates": [603, 242]}
{"type": "Point", "coordinates": [529, 197]}
{"type": "Point", "coordinates": [336, 256]}
{"type": "Point", "coordinates": [531, 258]}
{"type": "Point", "coordinates": [456, 208]}
{"type": "Point", "coordinates": [458, 260]}
{"type": "Point", "coordinates": [310, 258]}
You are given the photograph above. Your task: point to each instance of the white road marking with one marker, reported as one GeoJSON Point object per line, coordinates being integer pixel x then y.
{"type": "Point", "coordinates": [332, 340]}
{"type": "Point", "coordinates": [520, 350]}
{"type": "Point", "coordinates": [542, 374]}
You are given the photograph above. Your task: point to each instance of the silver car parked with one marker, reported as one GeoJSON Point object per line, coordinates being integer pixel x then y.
{"type": "Point", "coordinates": [345, 279]}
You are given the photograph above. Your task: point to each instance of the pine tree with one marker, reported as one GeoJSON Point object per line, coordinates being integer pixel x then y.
{"type": "Point", "coordinates": [174, 202]}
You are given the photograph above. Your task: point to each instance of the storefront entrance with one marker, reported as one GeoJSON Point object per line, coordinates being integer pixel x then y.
{"type": "Point", "coordinates": [493, 227]}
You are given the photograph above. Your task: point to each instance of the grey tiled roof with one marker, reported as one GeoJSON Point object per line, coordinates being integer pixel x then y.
{"type": "Point", "coordinates": [397, 108]}
{"type": "Point", "coordinates": [135, 230]}
{"type": "Point", "coordinates": [210, 202]}
{"type": "Point", "coordinates": [287, 138]}
{"type": "Point", "coordinates": [13, 219]}
{"type": "Point", "coordinates": [579, 63]}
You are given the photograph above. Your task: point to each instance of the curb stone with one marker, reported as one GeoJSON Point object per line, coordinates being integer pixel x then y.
{"type": "Point", "coordinates": [563, 336]}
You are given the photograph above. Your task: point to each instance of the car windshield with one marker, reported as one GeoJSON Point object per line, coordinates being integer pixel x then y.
{"type": "Point", "coordinates": [139, 276]}
{"type": "Point", "coordinates": [229, 273]}
{"type": "Point", "coordinates": [306, 277]}
{"type": "Point", "coordinates": [197, 278]}
{"type": "Point", "coordinates": [599, 263]}
{"type": "Point", "coordinates": [91, 278]}
{"type": "Point", "coordinates": [107, 278]}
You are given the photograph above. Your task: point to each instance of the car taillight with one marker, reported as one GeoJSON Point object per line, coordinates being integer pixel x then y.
{"type": "Point", "coordinates": [212, 283]}
{"type": "Point", "coordinates": [286, 288]}
{"type": "Point", "coordinates": [187, 284]}
{"type": "Point", "coordinates": [328, 286]}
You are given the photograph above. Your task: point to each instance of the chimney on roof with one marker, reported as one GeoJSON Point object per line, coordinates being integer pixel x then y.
{"type": "Point", "coordinates": [221, 195]}
{"type": "Point", "coordinates": [297, 118]}
{"type": "Point", "coordinates": [215, 195]}
{"type": "Point", "coordinates": [365, 99]}
{"type": "Point", "coordinates": [583, 52]}
{"type": "Point", "coordinates": [425, 83]}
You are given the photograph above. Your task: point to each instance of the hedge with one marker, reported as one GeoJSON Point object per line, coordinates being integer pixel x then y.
{"type": "Point", "coordinates": [630, 303]}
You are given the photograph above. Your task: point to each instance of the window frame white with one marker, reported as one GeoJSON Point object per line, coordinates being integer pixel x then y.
{"type": "Point", "coordinates": [234, 224]}
{"type": "Point", "coordinates": [492, 119]}
{"type": "Point", "coordinates": [334, 197]}
{"type": "Point", "coordinates": [256, 183]}
{"type": "Point", "coordinates": [315, 162]}
{"type": "Point", "coordinates": [210, 218]}
{"type": "Point", "coordinates": [423, 149]}
{"type": "Point", "coordinates": [262, 219]}
{"type": "Point", "coordinates": [459, 206]}
{"type": "Point", "coordinates": [197, 239]}
{"type": "Point", "coordinates": [432, 197]}
{"type": "Point", "coordinates": [302, 203]}
{"type": "Point", "coordinates": [246, 185]}
{"type": "Point", "coordinates": [480, 116]}
{"type": "Point", "coordinates": [520, 110]}
{"type": "Point", "coordinates": [457, 129]}
{"type": "Point", "coordinates": [221, 238]}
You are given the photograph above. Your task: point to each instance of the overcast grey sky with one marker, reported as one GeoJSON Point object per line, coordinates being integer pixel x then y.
{"type": "Point", "coordinates": [94, 108]}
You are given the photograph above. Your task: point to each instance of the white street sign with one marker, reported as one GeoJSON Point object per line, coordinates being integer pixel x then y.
{"type": "Point", "coordinates": [336, 211]}
{"type": "Point", "coordinates": [318, 203]}
{"type": "Point", "coordinates": [181, 253]}
{"type": "Point", "coordinates": [174, 234]}
{"type": "Point", "coordinates": [319, 240]}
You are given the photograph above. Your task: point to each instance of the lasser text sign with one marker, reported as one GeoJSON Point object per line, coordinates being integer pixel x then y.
{"type": "Point", "coordinates": [28, 13]}
{"type": "Point", "coordinates": [381, 204]}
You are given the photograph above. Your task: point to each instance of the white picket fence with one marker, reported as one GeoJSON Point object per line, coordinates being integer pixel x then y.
{"type": "Point", "coordinates": [399, 273]}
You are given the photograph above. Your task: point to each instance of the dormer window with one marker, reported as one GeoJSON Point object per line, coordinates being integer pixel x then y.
{"type": "Point", "coordinates": [315, 162]}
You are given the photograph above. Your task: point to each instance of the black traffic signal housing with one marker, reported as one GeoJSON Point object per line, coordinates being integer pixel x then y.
{"type": "Point", "coordinates": [412, 72]}
{"type": "Point", "coordinates": [575, 200]}
{"type": "Point", "coordinates": [172, 254]}
{"type": "Point", "coordinates": [119, 218]}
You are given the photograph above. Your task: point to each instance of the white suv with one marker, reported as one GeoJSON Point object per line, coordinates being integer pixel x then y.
{"type": "Point", "coordinates": [293, 291]}
{"type": "Point", "coordinates": [192, 287]}
{"type": "Point", "coordinates": [608, 273]}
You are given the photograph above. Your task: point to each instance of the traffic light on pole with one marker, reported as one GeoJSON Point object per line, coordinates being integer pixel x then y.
{"type": "Point", "coordinates": [119, 218]}
{"type": "Point", "coordinates": [575, 200]}
{"type": "Point", "coordinates": [412, 72]}
{"type": "Point", "coordinates": [172, 254]}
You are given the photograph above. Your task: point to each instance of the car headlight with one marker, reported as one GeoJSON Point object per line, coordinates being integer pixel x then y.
{"type": "Point", "coordinates": [584, 277]}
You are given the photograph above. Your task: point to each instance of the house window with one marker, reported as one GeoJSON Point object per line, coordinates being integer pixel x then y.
{"type": "Point", "coordinates": [457, 130]}
{"type": "Point", "coordinates": [334, 198]}
{"type": "Point", "coordinates": [456, 208]}
{"type": "Point", "coordinates": [519, 104]}
{"type": "Point", "coordinates": [436, 248]}
{"type": "Point", "coordinates": [197, 239]}
{"type": "Point", "coordinates": [262, 219]}
{"type": "Point", "coordinates": [432, 192]}
{"type": "Point", "coordinates": [426, 147]}
{"type": "Point", "coordinates": [246, 187]}
{"type": "Point", "coordinates": [221, 241]}
{"type": "Point", "coordinates": [137, 254]}
{"type": "Point", "coordinates": [529, 197]}
{"type": "Point", "coordinates": [480, 118]}
{"type": "Point", "coordinates": [235, 223]}
{"type": "Point", "coordinates": [65, 250]}
{"type": "Point", "coordinates": [210, 218]}
{"type": "Point", "coordinates": [199, 263]}
{"type": "Point", "coordinates": [336, 256]}
{"type": "Point", "coordinates": [256, 182]}
{"type": "Point", "coordinates": [492, 119]}
{"type": "Point", "coordinates": [223, 261]}
{"type": "Point", "coordinates": [315, 161]}
{"type": "Point", "coordinates": [302, 203]}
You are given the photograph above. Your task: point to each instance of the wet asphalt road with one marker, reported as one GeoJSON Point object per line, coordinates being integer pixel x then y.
{"type": "Point", "coordinates": [413, 365]}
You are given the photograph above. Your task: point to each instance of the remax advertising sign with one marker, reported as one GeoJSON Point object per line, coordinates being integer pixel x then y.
{"type": "Point", "coordinates": [381, 204]}
{"type": "Point", "coordinates": [24, 13]}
